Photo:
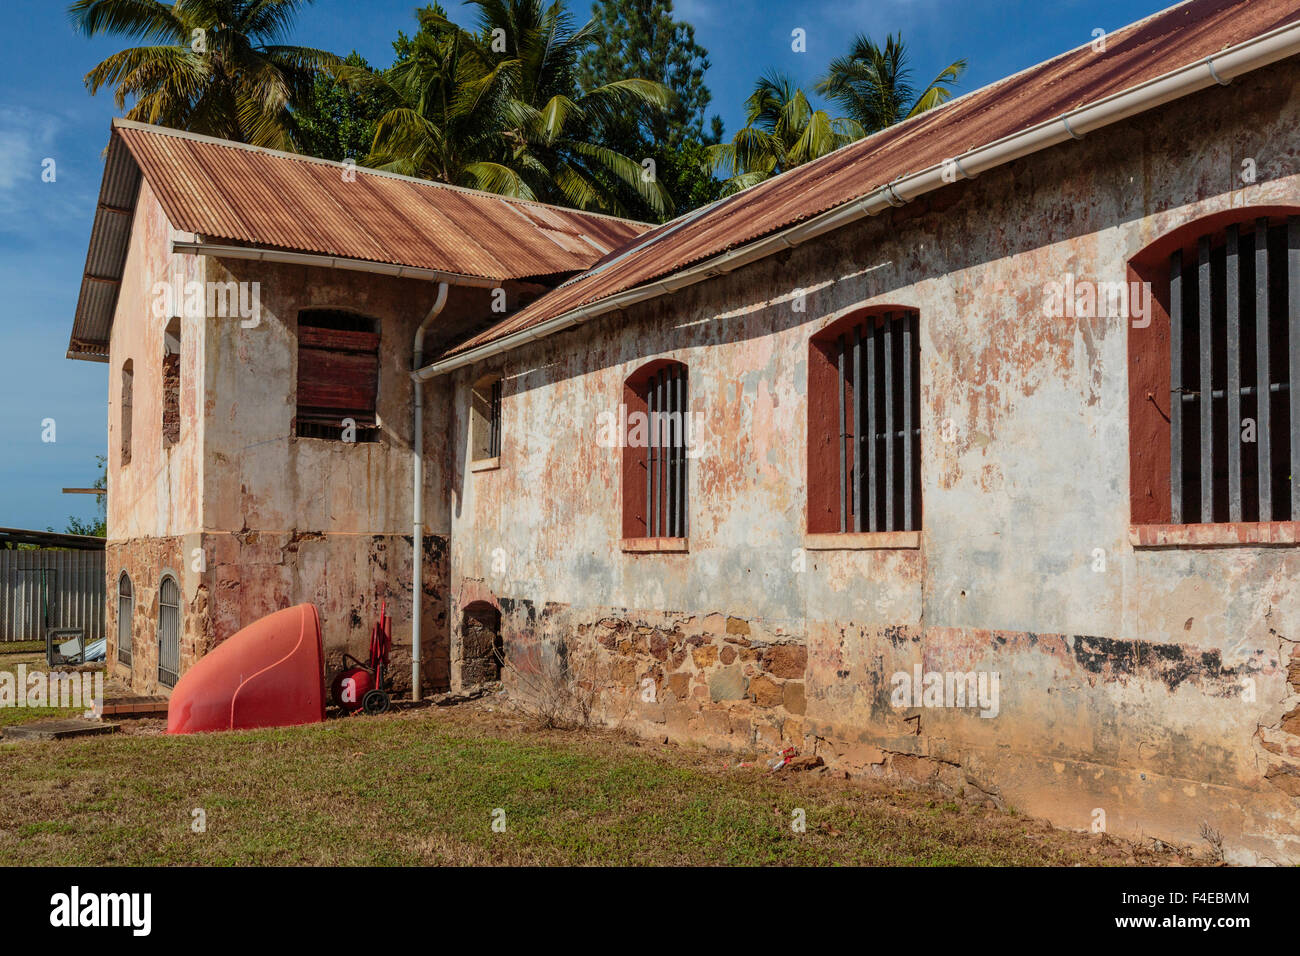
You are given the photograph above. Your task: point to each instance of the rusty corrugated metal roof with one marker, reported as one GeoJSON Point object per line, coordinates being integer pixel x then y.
{"type": "Point", "coordinates": [1135, 54]}
{"type": "Point", "coordinates": [230, 191]}
{"type": "Point", "coordinates": [247, 195]}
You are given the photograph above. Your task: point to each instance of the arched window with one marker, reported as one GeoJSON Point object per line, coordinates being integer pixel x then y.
{"type": "Point", "coordinates": [656, 442]}
{"type": "Point", "coordinates": [125, 618]}
{"type": "Point", "coordinates": [338, 376]}
{"type": "Point", "coordinates": [485, 418]}
{"type": "Point", "coordinates": [1214, 364]}
{"type": "Point", "coordinates": [128, 375]}
{"type": "Point", "coordinates": [171, 383]}
{"type": "Point", "coordinates": [169, 631]}
{"type": "Point", "coordinates": [864, 445]}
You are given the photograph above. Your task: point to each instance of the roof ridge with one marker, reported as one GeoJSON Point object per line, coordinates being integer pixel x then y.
{"type": "Point", "coordinates": [154, 128]}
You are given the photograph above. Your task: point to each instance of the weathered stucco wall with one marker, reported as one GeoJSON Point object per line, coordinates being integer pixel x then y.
{"type": "Point", "coordinates": [249, 516]}
{"type": "Point", "coordinates": [158, 492]}
{"type": "Point", "coordinates": [1121, 690]}
{"type": "Point", "coordinates": [293, 519]}
{"type": "Point", "coordinates": [154, 501]}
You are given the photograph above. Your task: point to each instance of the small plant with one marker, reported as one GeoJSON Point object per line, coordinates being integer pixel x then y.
{"type": "Point", "coordinates": [1215, 839]}
{"type": "Point", "coordinates": [556, 694]}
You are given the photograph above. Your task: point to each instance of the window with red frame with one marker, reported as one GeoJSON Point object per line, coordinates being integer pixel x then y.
{"type": "Point", "coordinates": [656, 436]}
{"type": "Point", "coordinates": [1215, 415]}
{"type": "Point", "coordinates": [864, 444]}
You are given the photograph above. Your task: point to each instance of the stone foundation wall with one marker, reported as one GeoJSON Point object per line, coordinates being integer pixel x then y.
{"type": "Point", "coordinates": [146, 560]}
{"type": "Point", "coordinates": [1080, 728]}
{"type": "Point", "coordinates": [247, 576]}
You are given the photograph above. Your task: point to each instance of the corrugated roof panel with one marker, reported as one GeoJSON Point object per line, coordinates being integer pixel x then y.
{"type": "Point", "coordinates": [459, 230]}
{"type": "Point", "coordinates": [229, 191]}
{"type": "Point", "coordinates": [1143, 51]}
{"type": "Point", "coordinates": [243, 194]}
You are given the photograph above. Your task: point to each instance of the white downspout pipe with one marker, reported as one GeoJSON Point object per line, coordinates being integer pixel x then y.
{"type": "Point", "coordinates": [417, 490]}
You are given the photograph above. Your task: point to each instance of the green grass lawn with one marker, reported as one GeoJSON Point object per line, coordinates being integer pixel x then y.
{"type": "Point", "coordinates": [420, 787]}
{"type": "Point", "coordinates": [31, 653]}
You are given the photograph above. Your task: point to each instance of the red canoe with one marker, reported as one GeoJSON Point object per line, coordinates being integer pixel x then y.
{"type": "Point", "coordinates": [270, 674]}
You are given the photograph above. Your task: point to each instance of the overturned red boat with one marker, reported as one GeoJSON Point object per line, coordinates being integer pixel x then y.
{"type": "Point", "coordinates": [270, 674]}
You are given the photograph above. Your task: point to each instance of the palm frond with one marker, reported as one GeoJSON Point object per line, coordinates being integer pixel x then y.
{"type": "Point", "coordinates": [132, 19]}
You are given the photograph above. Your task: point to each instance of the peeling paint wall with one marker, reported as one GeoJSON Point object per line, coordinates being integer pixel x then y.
{"type": "Point", "coordinates": [1153, 691]}
{"type": "Point", "coordinates": [250, 517]}
{"type": "Point", "coordinates": [154, 501]}
{"type": "Point", "coordinates": [292, 519]}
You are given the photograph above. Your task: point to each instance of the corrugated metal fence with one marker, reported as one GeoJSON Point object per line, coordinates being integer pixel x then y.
{"type": "Point", "coordinates": [43, 589]}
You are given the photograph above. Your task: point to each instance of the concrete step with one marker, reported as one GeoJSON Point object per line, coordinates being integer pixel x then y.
{"type": "Point", "coordinates": [60, 729]}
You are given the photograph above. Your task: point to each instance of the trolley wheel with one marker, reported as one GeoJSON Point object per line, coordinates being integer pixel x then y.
{"type": "Point", "coordinates": [375, 702]}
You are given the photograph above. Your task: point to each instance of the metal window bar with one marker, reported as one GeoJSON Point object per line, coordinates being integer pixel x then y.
{"type": "Point", "coordinates": [1232, 276]}
{"type": "Point", "coordinates": [125, 618]}
{"type": "Point", "coordinates": [683, 517]}
{"type": "Point", "coordinates": [169, 632]}
{"type": "Point", "coordinates": [649, 460]}
{"type": "Point", "coordinates": [857, 428]}
{"type": "Point", "coordinates": [1176, 386]}
{"type": "Point", "coordinates": [1205, 349]}
{"type": "Point", "coordinates": [1293, 347]}
{"type": "Point", "coordinates": [1263, 375]}
{"type": "Point", "coordinates": [873, 454]}
{"type": "Point", "coordinates": [865, 361]}
{"type": "Point", "coordinates": [652, 500]}
{"type": "Point", "coordinates": [494, 421]}
{"type": "Point", "coordinates": [888, 357]}
{"type": "Point", "coordinates": [909, 339]}
{"type": "Point", "coordinates": [661, 509]}
{"type": "Point", "coordinates": [670, 439]}
{"type": "Point", "coordinates": [666, 470]}
{"type": "Point", "coordinates": [1274, 321]}
{"type": "Point", "coordinates": [844, 482]}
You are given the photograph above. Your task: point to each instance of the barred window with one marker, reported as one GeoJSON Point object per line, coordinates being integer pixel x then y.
{"type": "Point", "coordinates": [655, 473]}
{"type": "Point", "coordinates": [1215, 411]}
{"type": "Point", "coordinates": [485, 418]}
{"type": "Point", "coordinates": [864, 445]}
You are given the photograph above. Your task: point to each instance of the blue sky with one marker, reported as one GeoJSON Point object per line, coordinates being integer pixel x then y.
{"type": "Point", "coordinates": [45, 112]}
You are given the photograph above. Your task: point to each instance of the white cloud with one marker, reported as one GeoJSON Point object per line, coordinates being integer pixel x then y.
{"type": "Point", "coordinates": [26, 138]}
{"type": "Point", "coordinates": [29, 205]}
{"type": "Point", "coordinates": [695, 12]}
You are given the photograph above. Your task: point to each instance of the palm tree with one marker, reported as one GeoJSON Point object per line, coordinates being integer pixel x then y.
{"type": "Point", "coordinates": [211, 66]}
{"type": "Point", "coordinates": [425, 132]}
{"type": "Point", "coordinates": [781, 131]}
{"type": "Point", "coordinates": [500, 110]}
{"type": "Point", "coordinates": [872, 85]}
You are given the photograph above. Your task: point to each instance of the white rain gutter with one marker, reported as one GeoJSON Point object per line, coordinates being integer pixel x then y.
{"type": "Point", "coordinates": [266, 254]}
{"type": "Point", "coordinates": [1221, 68]}
{"type": "Point", "coordinates": [417, 490]}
